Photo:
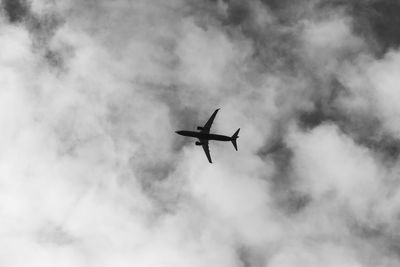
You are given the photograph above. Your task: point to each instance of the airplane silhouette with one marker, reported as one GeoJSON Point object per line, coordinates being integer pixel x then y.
{"type": "Point", "coordinates": [204, 136]}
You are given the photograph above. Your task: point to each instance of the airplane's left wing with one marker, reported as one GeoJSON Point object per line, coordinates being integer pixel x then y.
{"type": "Point", "coordinates": [204, 144]}
{"type": "Point", "coordinates": [207, 126]}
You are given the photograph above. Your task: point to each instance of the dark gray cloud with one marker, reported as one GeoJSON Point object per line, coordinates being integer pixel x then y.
{"type": "Point", "coordinates": [375, 20]}
{"type": "Point", "coordinates": [16, 10]}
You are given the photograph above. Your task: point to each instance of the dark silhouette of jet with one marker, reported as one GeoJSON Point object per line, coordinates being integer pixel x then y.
{"type": "Point", "coordinates": [204, 136]}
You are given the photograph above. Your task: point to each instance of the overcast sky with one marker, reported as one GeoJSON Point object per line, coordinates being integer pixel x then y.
{"type": "Point", "coordinates": [93, 174]}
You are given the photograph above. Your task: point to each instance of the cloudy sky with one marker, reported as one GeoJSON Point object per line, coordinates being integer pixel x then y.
{"type": "Point", "coordinates": [93, 174]}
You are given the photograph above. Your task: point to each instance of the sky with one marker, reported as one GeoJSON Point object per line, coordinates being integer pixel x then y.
{"type": "Point", "coordinates": [93, 174]}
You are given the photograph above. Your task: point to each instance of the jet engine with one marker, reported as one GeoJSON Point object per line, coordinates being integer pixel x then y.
{"type": "Point", "coordinates": [199, 128]}
{"type": "Point", "coordinates": [198, 143]}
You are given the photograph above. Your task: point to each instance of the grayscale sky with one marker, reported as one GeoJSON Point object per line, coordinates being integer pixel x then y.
{"type": "Point", "coordinates": [93, 174]}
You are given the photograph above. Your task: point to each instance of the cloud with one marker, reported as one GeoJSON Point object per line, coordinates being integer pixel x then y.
{"type": "Point", "coordinates": [373, 81]}
{"type": "Point", "coordinates": [329, 163]}
{"type": "Point", "coordinates": [92, 174]}
{"type": "Point", "coordinates": [15, 10]}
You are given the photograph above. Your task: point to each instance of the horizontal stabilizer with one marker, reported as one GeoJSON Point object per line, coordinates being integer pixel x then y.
{"type": "Point", "coordinates": [234, 137]}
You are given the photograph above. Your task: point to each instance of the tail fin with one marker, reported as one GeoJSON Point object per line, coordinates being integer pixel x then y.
{"type": "Point", "coordinates": [234, 137]}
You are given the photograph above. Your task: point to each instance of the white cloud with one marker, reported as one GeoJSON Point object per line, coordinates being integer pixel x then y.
{"type": "Point", "coordinates": [92, 174]}
{"type": "Point", "coordinates": [310, 255]}
{"type": "Point", "coordinates": [374, 83]}
{"type": "Point", "coordinates": [329, 160]}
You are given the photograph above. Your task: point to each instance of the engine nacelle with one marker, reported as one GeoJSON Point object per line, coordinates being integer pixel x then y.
{"type": "Point", "coordinates": [198, 143]}
{"type": "Point", "coordinates": [199, 128]}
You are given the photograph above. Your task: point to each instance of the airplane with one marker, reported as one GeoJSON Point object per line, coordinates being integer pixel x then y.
{"type": "Point", "coordinates": [204, 135]}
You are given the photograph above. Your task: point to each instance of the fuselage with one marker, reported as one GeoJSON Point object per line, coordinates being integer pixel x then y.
{"type": "Point", "coordinates": [205, 136]}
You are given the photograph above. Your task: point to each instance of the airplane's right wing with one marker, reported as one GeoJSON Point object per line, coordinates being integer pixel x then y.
{"type": "Point", "coordinates": [207, 126]}
{"type": "Point", "coordinates": [204, 144]}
